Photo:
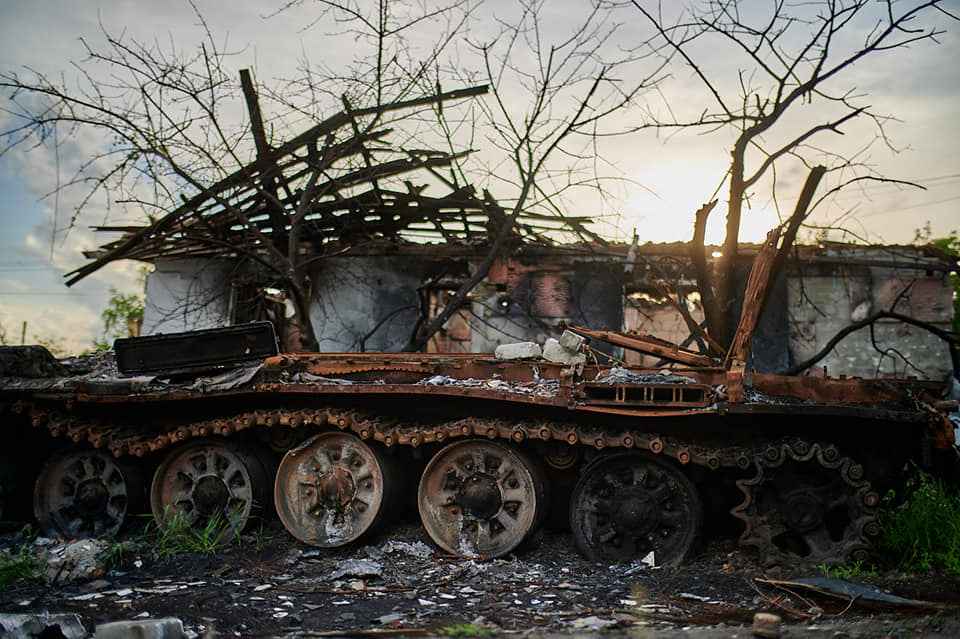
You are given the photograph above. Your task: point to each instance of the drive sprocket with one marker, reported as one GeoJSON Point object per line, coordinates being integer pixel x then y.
{"type": "Point", "coordinates": [807, 504]}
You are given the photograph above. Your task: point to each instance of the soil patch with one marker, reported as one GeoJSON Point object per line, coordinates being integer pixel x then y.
{"type": "Point", "coordinates": [396, 583]}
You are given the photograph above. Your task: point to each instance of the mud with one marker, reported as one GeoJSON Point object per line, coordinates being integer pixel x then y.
{"type": "Point", "coordinates": [397, 584]}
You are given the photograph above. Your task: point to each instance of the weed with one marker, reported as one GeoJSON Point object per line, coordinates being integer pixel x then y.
{"type": "Point", "coordinates": [20, 563]}
{"type": "Point", "coordinates": [854, 571]}
{"type": "Point", "coordinates": [465, 630]}
{"type": "Point", "coordinates": [923, 530]}
{"type": "Point", "coordinates": [112, 555]}
{"type": "Point", "coordinates": [177, 535]}
{"type": "Point", "coordinates": [260, 536]}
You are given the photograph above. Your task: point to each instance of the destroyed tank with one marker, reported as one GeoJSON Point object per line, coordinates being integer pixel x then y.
{"type": "Point", "coordinates": [640, 462]}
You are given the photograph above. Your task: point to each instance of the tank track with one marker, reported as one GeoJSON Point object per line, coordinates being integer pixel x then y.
{"type": "Point", "coordinates": [766, 460]}
{"type": "Point", "coordinates": [807, 504]}
{"type": "Point", "coordinates": [129, 439]}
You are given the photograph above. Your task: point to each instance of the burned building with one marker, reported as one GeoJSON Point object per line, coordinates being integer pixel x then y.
{"type": "Point", "coordinates": [370, 301]}
{"type": "Point", "coordinates": [328, 237]}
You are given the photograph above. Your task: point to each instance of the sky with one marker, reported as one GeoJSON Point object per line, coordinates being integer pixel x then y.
{"type": "Point", "coordinates": [666, 177]}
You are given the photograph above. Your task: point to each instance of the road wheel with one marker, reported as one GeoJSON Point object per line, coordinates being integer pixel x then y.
{"type": "Point", "coordinates": [480, 497]}
{"type": "Point", "coordinates": [626, 506]}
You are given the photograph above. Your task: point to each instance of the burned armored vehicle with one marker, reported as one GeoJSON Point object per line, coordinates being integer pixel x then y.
{"type": "Point", "coordinates": [484, 448]}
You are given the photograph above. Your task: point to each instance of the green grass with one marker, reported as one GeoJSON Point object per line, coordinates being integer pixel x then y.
{"type": "Point", "coordinates": [20, 563]}
{"type": "Point", "coordinates": [112, 556]}
{"type": "Point", "coordinates": [176, 535]}
{"type": "Point", "coordinates": [465, 630]}
{"type": "Point", "coordinates": [852, 572]}
{"type": "Point", "coordinates": [921, 527]}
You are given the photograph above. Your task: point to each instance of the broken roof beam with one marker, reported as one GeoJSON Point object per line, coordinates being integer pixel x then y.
{"type": "Point", "coordinates": [649, 346]}
{"type": "Point", "coordinates": [249, 172]}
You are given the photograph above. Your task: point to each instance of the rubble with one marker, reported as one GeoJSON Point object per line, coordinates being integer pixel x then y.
{"type": "Point", "coordinates": [571, 341]}
{"type": "Point", "coordinates": [593, 623]}
{"type": "Point", "coordinates": [397, 584]}
{"type": "Point", "coordinates": [620, 375]}
{"type": "Point", "coordinates": [521, 350]}
{"type": "Point", "coordinates": [554, 352]}
{"type": "Point", "coordinates": [541, 387]}
{"type": "Point", "coordinates": [766, 625]}
{"type": "Point", "coordinates": [357, 568]}
{"type": "Point", "coordinates": [76, 560]}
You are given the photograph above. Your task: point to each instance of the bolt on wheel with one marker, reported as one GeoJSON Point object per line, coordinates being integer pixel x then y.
{"type": "Point", "coordinates": [333, 488]}
{"type": "Point", "coordinates": [626, 506]}
{"type": "Point", "coordinates": [204, 480]}
{"type": "Point", "coordinates": [479, 497]}
{"type": "Point", "coordinates": [82, 493]}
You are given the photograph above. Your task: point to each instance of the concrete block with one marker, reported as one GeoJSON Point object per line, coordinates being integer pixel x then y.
{"type": "Point", "coordinates": [553, 352]}
{"type": "Point", "coordinates": [166, 628]}
{"type": "Point", "coordinates": [520, 350]}
{"type": "Point", "coordinates": [41, 624]}
{"type": "Point", "coordinates": [571, 341]}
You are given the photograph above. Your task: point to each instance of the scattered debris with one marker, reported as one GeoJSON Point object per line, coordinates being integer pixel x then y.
{"type": "Point", "coordinates": [592, 623]}
{"type": "Point", "coordinates": [73, 560]}
{"type": "Point", "coordinates": [571, 341]}
{"type": "Point", "coordinates": [620, 375]}
{"type": "Point", "coordinates": [166, 628]}
{"type": "Point", "coordinates": [357, 568]}
{"type": "Point", "coordinates": [419, 550]}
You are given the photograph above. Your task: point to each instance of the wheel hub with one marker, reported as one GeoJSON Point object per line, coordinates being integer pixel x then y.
{"type": "Point", "coordinates": [81, 493]}
{"type": "Point", "coordinates": [636, 514]}
{"type": "Point", "coordinates": [336, 487]}
{"type": "Point", "coordinates": [210, 494]}
{"type": "Point", "coordinates": [91, 498]}
{"type": "Point", "coordinates": [802, 512]}
{"type": "Point", "coordinates": [479, 496]}
{"type": "Point", "coordinates": [333, 488]}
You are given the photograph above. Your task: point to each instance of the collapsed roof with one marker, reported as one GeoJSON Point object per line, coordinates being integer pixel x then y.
{"type": "Point", "coordinates": [324, 186]}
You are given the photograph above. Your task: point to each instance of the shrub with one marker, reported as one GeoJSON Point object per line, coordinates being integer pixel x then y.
{"type": "Point", "coordinates": [922, 529]}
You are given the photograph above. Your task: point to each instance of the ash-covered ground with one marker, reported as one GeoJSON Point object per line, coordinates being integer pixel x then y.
{"type": "Point", "coordinates": [396, 584]}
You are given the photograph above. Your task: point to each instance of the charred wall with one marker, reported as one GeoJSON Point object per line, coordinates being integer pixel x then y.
{"type": "Point", "coordinates": [824, 298]}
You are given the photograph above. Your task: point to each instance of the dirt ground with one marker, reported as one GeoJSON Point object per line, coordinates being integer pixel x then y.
{"type": "Point", "coordinates": [396, 584]}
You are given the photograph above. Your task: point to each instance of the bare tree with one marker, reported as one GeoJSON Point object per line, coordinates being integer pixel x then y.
{"type": "Point", "coordinates": [174, 143]}
{"type": "Point", "coordinates": [179, 148]}
{"type": "Point", "coordinates": [554, 89]}
{"type": "Point", "coordinates": [553, 98]}
{"type": "Point", "coordinates": [791, 88]}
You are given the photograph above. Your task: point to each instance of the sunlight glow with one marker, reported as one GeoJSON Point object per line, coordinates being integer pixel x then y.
{"type": "Point", "coordinates": [664, 211]}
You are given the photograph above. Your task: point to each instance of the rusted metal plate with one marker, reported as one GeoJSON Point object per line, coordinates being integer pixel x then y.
{"type": "Point", "coordinates": [852, 390]}
{"type": "Point", "coordinates": [462, 366]}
